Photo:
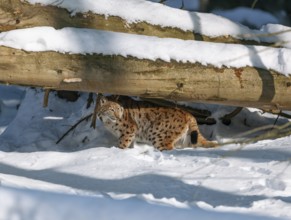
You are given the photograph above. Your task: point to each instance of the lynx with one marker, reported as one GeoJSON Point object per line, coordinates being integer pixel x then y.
{"type": "Point", "coordinates": [165, 128]}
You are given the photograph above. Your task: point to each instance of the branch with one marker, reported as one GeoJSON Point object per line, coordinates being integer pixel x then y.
{"type": "Point", "coordinates": [278, 112]}
{"type": "Point", "coordinates": [226, 119]}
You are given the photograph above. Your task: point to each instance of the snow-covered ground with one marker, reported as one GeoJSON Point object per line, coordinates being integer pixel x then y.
{"type": "Point", "coordinates": [86, 177]}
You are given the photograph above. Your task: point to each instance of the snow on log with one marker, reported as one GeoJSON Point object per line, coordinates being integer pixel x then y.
{"type": "Point", "coordinates": [136, 18]}
{"type": "Point", "coordinates": [252, 87]}
{"type": "Point", "coordinates": [89, 41]}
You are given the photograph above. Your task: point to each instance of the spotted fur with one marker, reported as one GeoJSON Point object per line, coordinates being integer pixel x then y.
{"type": "Point", "coordinates": [163, 127]}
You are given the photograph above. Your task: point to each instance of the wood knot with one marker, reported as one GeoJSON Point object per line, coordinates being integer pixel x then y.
{"type": "Point", "coordinates": [180, 85]}
{"type": "Point", "coordinates": [59, 71]}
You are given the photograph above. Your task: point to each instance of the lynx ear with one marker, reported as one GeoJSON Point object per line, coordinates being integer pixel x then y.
{"type": "Point", "coordinates": [101, 99]}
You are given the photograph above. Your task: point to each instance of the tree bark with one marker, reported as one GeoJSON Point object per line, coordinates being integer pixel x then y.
{"type": "Point", "coordinates": [250, 87]}
{"type": "Point", "coordinates": [16, 14]}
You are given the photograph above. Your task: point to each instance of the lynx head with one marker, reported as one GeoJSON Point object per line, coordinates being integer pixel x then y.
{"type": "Point", "coordinates": [109, 110]}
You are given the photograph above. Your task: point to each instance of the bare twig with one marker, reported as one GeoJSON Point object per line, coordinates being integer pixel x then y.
{"type": "Point", "coordinates": [89, 100]}
{"type": "Point", "coordinates": [254, 4]}
{"type": "Point", "coordinates": [93, 123]}
{"type": "Point", "coordinates": [73, 127]}
{"type": "Point", "coordinates": [285, 115]}
{"type": "Point", "coordinates": [280, 112]}
{"type": "Point", "coordinates": [277, 118]}
{"type": "Point", "coordinates": [226, 119]}
{"type": "Point", "coordinates": [46, 97]}
{"type": "Point", "coordinates": [182, 6]}
{"type": "Point", "coordinates": [271, 132]}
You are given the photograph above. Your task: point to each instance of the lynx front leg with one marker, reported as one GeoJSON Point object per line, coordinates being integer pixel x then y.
{"type": "Point", "coordinates": [127, 136]}
{"type": "Point", "coordinates": [125, 140]}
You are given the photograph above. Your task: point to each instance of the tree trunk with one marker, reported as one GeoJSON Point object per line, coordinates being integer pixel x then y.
{"type": "Point", "coordinates": [251, 87]}
{"type": "Point", "coordinates": [16, 14]}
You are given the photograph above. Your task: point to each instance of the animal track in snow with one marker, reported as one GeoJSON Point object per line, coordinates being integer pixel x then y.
{"type": "Point", "coordinates": [220, 162]}
{"type": "Point", "coordinates": [275, 184]}
{"type": "Point", "coordinates": [258, 170]}
{"type": "Point", "coordinates": [262, 171]}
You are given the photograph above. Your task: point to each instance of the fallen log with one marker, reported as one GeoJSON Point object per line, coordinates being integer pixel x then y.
{"type": "Point", "coordinates": [17, 14]}
{"type": "Point", "coordinates": [248, 87]}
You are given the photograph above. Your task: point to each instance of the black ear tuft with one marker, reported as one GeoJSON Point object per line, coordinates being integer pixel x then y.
{"type": "Point", "coordinates": [194, 137]}
{"type": "Point", "coordinates": [102, 100]}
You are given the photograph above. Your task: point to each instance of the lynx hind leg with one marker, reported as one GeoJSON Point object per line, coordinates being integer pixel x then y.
{"type": "Point", "coordinates": [202, 142]}
{"type": "Point", "coordinates": [163, 139]}
{"type": "Point", "coordinates": [170, 140]}
{"type": "Point", "coordinates": [164, 145]}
